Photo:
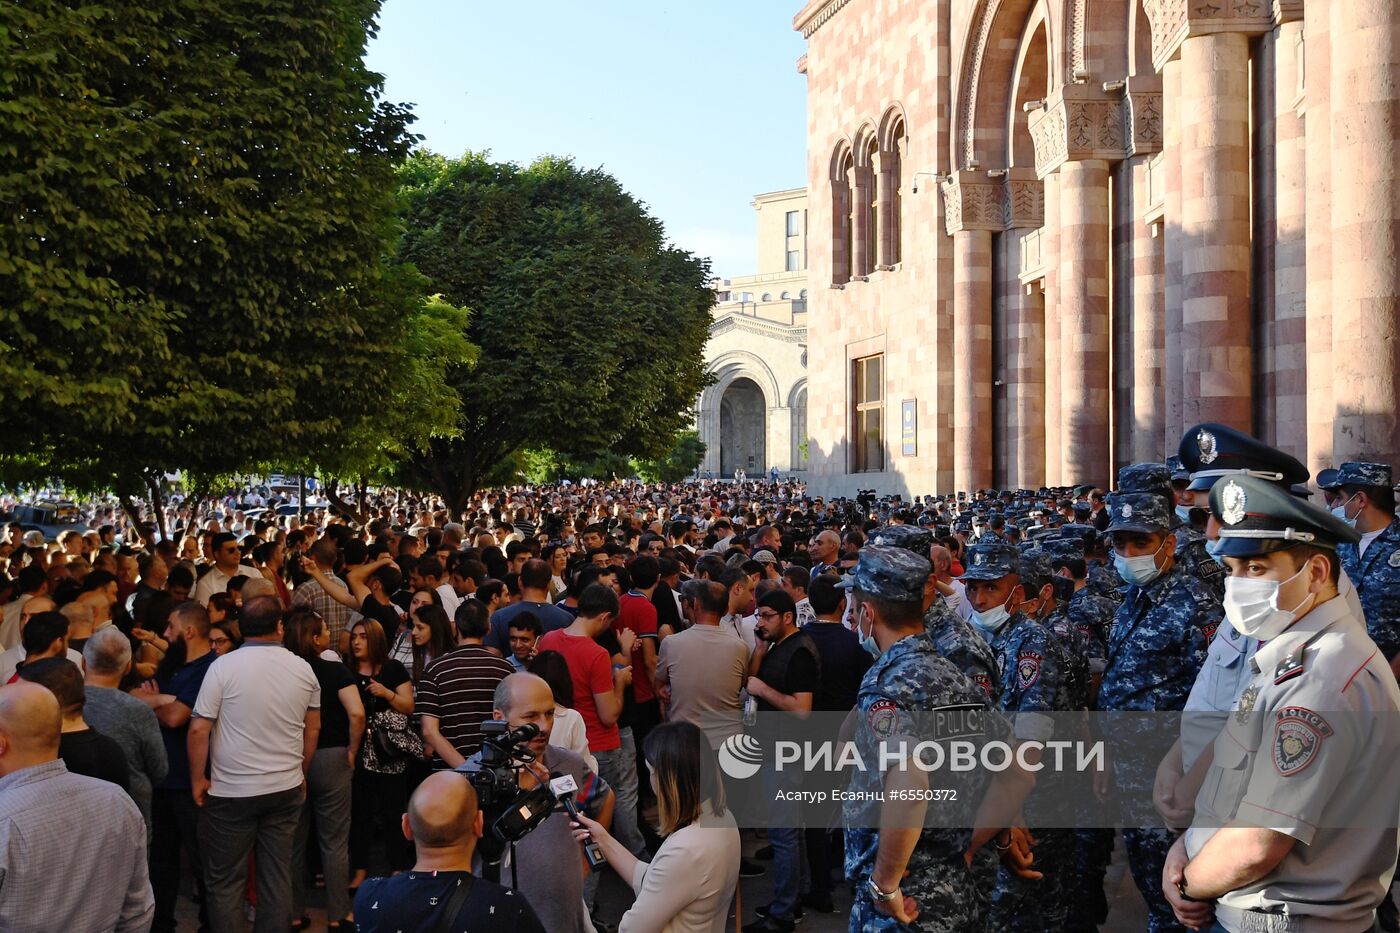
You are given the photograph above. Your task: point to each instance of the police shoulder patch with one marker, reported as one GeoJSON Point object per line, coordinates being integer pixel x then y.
{"type": "Point", "coordinates": [1298, 735]}
{"type": "Point", "coordinates": [1209, 630]}
{"type": "Point", "coordinates": [883, 717]}
{"type": "Point", "coordinates": [1028, 668]}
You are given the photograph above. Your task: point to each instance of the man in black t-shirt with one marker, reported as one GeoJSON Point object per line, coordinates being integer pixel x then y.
{"type": "Point", "coordinates": [789, 672]}
{"type": "Point", "coordinates": [444, 823]}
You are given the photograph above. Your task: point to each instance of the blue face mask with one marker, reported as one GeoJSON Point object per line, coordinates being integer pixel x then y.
{"type": "Point", "coordinates": [1341, 512]}
{"type": "Point", "coordinates": [1183, 512]}
{"type": "Point", "coordinates": [1213, 549]}
{"type": "Point", "coordinates": [1139, 570]}
{"type": "Point", "coordinates": [867, 640]}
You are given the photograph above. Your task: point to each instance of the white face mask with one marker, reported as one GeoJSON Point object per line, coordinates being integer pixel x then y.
{"type": "Point", "coordinates": [1252, 607]}
{"type": "Point", "coordinates": [1139, 570]}
{"type": "Point", "coordinates": [993, 619]}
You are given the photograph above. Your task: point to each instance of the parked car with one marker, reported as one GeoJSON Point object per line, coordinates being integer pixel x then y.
{"type": "Point", "coordinates": [50, 517]}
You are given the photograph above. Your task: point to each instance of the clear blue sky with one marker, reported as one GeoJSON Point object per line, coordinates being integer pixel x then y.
{"type": "Point", "coordinates": [695, 107]}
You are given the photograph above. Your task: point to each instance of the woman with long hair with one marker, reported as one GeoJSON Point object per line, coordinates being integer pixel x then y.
{"type": "Point", "coordinates": [225, 636]}
{"type": "Point", "coordinates": [379, 791]}
{"type": "Point", "coordinates": [557, 556]}
{"type": "Point", "coordinates": [402, 651]}
{"type": "Point", "coordinates": [433, 636]}
{"type": "Point", "coordinates": [687, 887]}
{"type": "Point", "coordinates": [329, 778]}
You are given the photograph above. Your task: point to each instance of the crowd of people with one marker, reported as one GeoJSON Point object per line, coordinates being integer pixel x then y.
{"type": "Point", "coordinates": [248, 707]}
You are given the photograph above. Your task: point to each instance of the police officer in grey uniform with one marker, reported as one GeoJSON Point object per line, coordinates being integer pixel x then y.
{"type": "Point", "coordinates": [952, 635]}
{"type": "Point", "coordinates": [904, 875]}
{"type": "Point", "coordinates": [1295, 826]}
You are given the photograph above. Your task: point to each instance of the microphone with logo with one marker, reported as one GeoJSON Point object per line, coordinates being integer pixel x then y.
{"type": "Point", "coordinates": [563, 786]}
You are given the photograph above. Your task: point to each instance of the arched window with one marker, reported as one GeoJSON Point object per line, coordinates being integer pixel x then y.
{"type": "Point", "coordinates": [874, 170]}
{"type": "Point", "coordinates": [767, 296]}
{"type": "Point", "coordinates": [892, 165]}
{"type": "Point", "coordinates": [802, 294]}
{"type": "Point", "coordinates": [842, 209]}
{"type": "Point", "coordinates": [785, 296]}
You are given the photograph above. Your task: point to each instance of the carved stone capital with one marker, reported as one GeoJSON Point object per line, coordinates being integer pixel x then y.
{"type": "Point", "coordinates": [973, 201]}
{"type": "Point", "coordinates": [1071, 129]}
{"type": "Point", "coordinates": [1023, 200]}
{"type": "Point", "coordinates": [1142, 117]}
{"type": "Point", "coordinates": [1174, 21]}
{"type": "Point", "coordinates": [1287, 11]}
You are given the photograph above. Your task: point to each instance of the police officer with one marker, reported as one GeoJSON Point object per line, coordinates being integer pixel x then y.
{"type": "Point", "coordinates": [1102, 576]}
{"type": "Point", "coordinates": [1155, 651]}
{"type": "Point", "coordinates": [1032, 665]}
{"type": "Point", "coordinates": [906, 876]}
{"type": "Point", "coordinates": [954, 637]}
{"type": "Point", "coordinates": [1308, 756]}
{"type": "Point", "coordinates": [1373, 563]}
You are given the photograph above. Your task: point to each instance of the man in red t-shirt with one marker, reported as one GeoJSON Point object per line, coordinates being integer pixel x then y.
{"type": "Point", "coordinates": [638, 615]}
{"type": "Point", "coordinates": [598, 693]}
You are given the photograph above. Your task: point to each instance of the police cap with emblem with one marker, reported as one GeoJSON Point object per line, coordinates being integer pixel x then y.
{"type": "Point", "coordinates": [1211, 451]}
{"type": "Point", "coordinates": [991, 561]}
{"type": "Point", "coordinates": [1143, 512]}
{"type": "Point", "coordinates": [889, 573]}
{"type": "Point", "coordinates": [1355, 473]}
{"type": "Point", "coordinates": [909, 537]}
{"type": "Point", "coordinates": [1258, 517]}
{"type": "Point", "coordinates": [1035, 570]}
{"type": "Point", "coordinates": [1178, 471]}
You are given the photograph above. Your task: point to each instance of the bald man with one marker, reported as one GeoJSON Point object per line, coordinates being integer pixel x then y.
{"type": "Point", "coordinates": [549, 864]}
{"type": "Point", "coordinates": [72, 848]}
{"type": "Point", "coordinates": [443, 823]}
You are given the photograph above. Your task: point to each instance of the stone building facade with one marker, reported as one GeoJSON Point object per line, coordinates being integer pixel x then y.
{"type": "Point", "coordinates": [754, 416]}
{"type": "Point", "coordinates": [1048, 235]}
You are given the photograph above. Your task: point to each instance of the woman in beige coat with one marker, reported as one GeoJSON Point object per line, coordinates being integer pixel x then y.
{"type": "Point", "coordinates": [688, 886]}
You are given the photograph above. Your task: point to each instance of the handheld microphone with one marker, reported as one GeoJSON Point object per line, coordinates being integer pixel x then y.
{"type": "Point", "coordinates": [563, 786]}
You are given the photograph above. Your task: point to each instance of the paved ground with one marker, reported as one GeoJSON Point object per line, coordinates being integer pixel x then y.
{"type": "Point", "coordinates": [1127, 914]}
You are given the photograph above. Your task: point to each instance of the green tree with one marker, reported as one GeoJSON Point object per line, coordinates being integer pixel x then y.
{"type": "Point", "coordinates": [591, 327]}
{"type": "Point", "coordinates": [196, 271]}
{"type": "Point", "coordinates": [685, 455]}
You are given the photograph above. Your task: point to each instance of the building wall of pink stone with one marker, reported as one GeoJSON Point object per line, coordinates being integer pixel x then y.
{"type": "Point", "coordinates": [1075, 227]}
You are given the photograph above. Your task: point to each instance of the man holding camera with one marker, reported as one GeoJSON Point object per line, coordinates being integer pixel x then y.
{"type": "Point", "coordinates": [444, 823]}
{"type": "Point", "coordinates": [549, 865]}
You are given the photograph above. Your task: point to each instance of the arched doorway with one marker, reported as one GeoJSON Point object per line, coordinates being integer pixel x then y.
{"type": "Point", "coordinates": [742, 426]}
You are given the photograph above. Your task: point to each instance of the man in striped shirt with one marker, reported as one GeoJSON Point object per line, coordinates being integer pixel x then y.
{"type": "Point", "coordinates": [457, 690]}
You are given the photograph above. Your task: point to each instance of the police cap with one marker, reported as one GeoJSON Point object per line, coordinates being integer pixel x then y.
{"type": "Point", "coordinates": [1355, 473]}
{"type": "Point", "coordinates": [991, 561]}
{"type": "Point", "coordinates": [909, 537]}
{"type": "Point", "coordinates": [891, 573]}
{"type": "Point", "coordinates": [1144, 512]}
{"type": "Point", "coordinates": [1146, 477]}
{"type": "Point", "coordinates": [1257, 517]}
{"type": "Point", "coordinates": [1211, 451]}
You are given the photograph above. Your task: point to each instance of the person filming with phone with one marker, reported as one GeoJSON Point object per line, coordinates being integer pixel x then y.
{"type": "Point", "coordinates": [688, 886]}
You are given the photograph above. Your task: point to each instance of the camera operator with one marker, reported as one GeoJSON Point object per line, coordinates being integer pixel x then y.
{"type": "Point", "coordinates": [549, 864]}
{"type": "Point", "coordinates": [444, 824]}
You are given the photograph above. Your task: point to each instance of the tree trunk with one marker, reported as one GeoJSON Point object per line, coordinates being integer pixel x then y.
{"type": "Point", "coordinates": [157, 505]}
{"type": "Point", "coordinates": [133, 515]}
{"type": "Point", "coordinates": [332, 490]}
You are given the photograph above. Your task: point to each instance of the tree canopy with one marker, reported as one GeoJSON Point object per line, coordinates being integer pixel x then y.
{"type": "Point", "coordinates": [591, 327]}
{"type": "Point", "coordinates": [197, 270]}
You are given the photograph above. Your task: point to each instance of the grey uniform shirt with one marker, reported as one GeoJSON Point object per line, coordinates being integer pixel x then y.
{"type": "Point", "coordinates": [1223, 678]}
{"type": "Point", "coordinates": [1309, 753]}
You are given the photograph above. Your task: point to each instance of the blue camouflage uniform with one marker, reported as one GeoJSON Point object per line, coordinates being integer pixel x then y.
{"type": "Point", "coordinates": [1031, 664]}
{"type": "Point", "coordinates": [1376, 573]}
{"type": "Point", "coordinates": [911, 677]}
{"type": "Point", "coordinates": [1155, 652]}
{"type": "Point", "coordinates": [952, 635]}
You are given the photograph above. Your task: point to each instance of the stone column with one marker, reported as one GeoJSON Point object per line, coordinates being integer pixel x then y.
{"type": "Point", "coordinates": [778, 448]}
{"type": "Point", "coordinates": [1365, 236]}
{"type": "Point", "coordinates": [861, 234]}
{"type": "Point", "coordinates": [972, 359]}
{"type": "Point", "coordinates": [885, 223]}
{"type": "Point", "coordinates": [1317, 213]}
{"type": "Point", "coordinates": [1216, 341]}
{"type": "Point", "coordinates": [1291, 377]}
{"type": "Point", "coordinates": [1172, 241]}
{"type": "Point", "coordinates": [1026, 390]}
{"type": "Point", "coordinates": [1084, 322]}
{"type": "Point", "coordinates": [1050, 253]}
{"type": "Point", "coordinates": [1148, 322]}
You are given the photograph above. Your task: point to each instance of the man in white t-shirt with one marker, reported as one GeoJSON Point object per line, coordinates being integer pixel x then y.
{"type": "Point", "coordinates": [953, 591]}
{"type": "Point", "coordinates": [227, 565]}
{"type": "Point", "coordinates": [261, 707]}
